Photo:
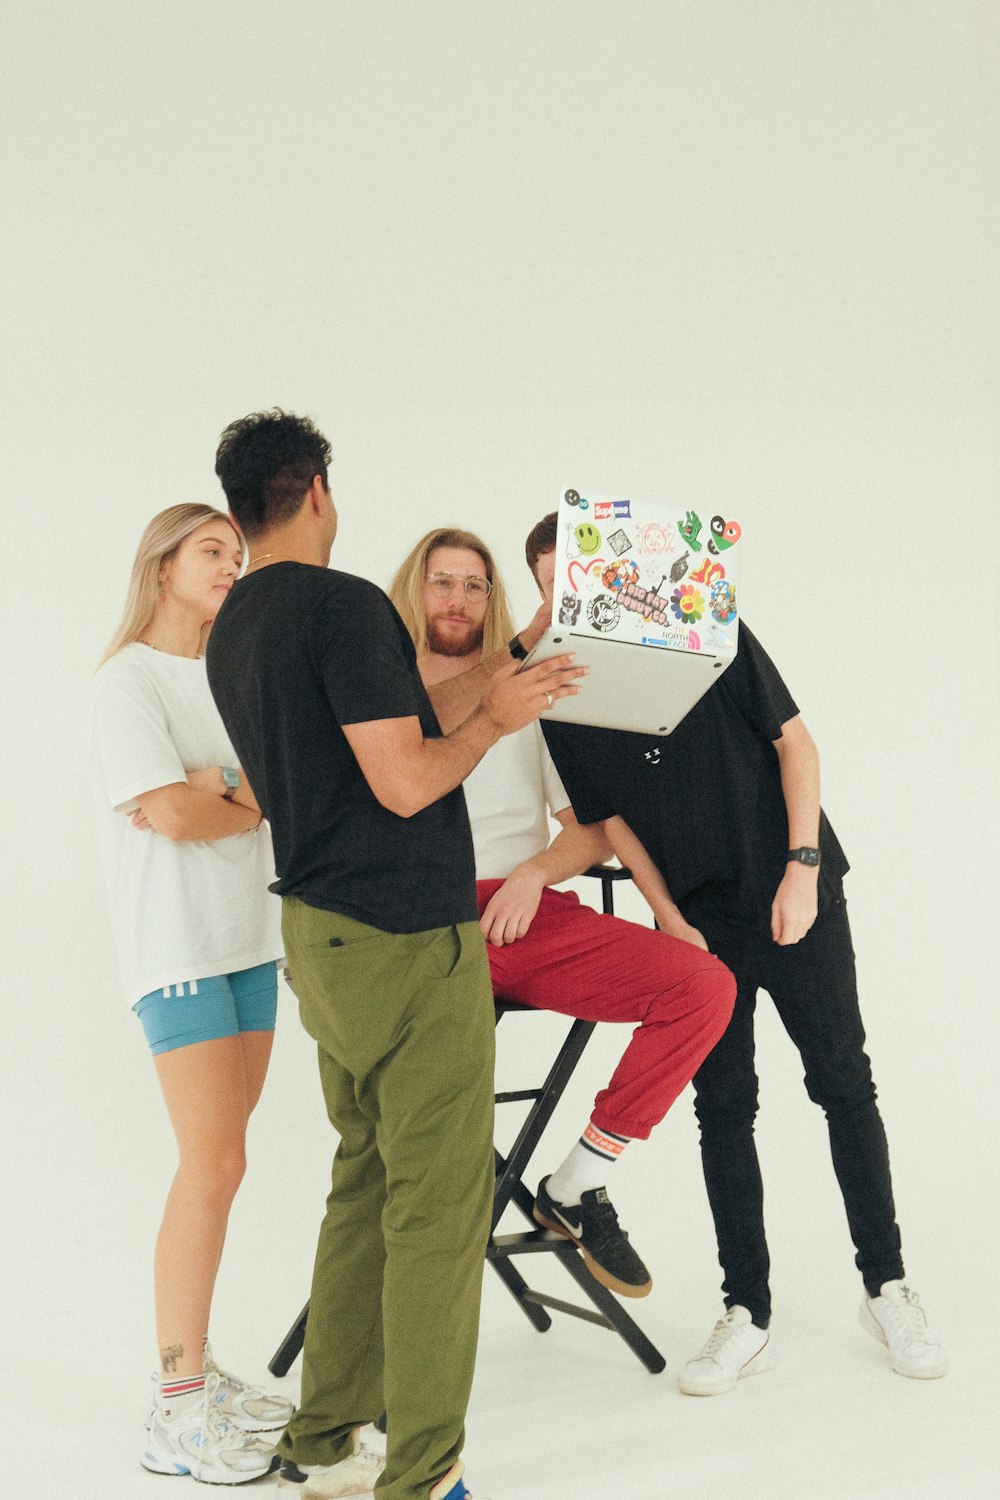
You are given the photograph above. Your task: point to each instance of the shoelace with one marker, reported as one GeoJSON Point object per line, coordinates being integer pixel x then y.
{"type": "Point", "coordinates": [720, 1333]}
{"type": "Point", "coordinates": [232, 1385]}
{"type": "Point", "coordinates": [605, 1224]}
{"type": "Point", "coordinates": [908, 1316]}
{"type": "Point", "coordinates": [216, 1423]}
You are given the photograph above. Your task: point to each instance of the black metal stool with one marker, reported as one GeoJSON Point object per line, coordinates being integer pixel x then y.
{"type": "Point", "coordinates": [606, 1310]}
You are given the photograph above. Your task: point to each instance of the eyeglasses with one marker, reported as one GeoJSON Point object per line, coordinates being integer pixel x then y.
{"type": "Point", "coordinates": [477, 589]}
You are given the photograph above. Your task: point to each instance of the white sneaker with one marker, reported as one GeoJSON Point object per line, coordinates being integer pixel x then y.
{"type": "Point", "coordinates": [354, 1475]}
{"type": "Point", "coordinates": [372, 1438]}
{"type": "Point", "coordinates": [190, 1435]}
{"type": "Point", "coordinates": [245, 1404]}
{"type": "Point", "coordinates": [897, 1320]}
{"type": "Point", "coordinates": [736, 1347]}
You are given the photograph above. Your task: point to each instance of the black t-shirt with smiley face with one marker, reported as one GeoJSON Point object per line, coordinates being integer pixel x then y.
{"type": "Point", "coordinates": [706, 801]}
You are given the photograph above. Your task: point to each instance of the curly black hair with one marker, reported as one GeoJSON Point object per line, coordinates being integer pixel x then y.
{"type": "Point", "coordinates": [266, 463]}
{"type": "Point", "coordinates": [541, 538]}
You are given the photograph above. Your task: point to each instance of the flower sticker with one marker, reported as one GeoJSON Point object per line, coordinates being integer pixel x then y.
{"type": "Point", "coordinates": [688, 604]}
{"type": "Point", "coordinates": [723, 598]}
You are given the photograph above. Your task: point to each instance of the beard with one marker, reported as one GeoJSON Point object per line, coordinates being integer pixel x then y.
{"type": "Point", "coordinates": [451, 641]}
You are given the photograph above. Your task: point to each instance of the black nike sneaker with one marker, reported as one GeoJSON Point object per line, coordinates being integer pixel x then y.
{"type": "Point", "coordinates": [592, 1224]}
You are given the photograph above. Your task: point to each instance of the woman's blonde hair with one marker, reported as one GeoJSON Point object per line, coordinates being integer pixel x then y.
{"type": "Point", "coordinates": [157, 545]}
{"type": "Point", "coordinates": [407, 589]}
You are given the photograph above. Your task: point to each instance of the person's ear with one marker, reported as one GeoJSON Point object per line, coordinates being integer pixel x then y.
{"type": "Point", "coordinates": [318, 495]}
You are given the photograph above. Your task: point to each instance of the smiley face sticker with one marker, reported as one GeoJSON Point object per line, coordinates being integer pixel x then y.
{"type": "Point", "coordinates": [588, 538]}
{"type": "Point", "coordinates": [687, 604]}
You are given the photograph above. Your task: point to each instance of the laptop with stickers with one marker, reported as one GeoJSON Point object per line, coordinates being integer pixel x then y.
{"type": "Point", "coordinates": [645, 596]}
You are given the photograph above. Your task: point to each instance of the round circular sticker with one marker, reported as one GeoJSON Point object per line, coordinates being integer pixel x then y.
{"type": "Point", "coordinates": [687, 603]}
{"type": "Point", "coordinates": [603, 612]}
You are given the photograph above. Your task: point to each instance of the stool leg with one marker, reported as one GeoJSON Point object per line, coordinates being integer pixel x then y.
{"type": "Point", "coordinates": [509, 1169]}
{"type": "Point", "coordinates": [517, 1286]}
{"type": "Point", "coordinates": [616, 1315]}
{"type": "Point", "coordinates": [286, 1352]}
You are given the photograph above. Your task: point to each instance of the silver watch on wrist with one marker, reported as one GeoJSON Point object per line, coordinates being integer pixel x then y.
{"type": "Point", "coordinates": [232, 779]}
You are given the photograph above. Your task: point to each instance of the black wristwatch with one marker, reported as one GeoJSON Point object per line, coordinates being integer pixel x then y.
{"type": "Point", "coordinates": [804, 856]}
{"type": "Point", "coordinates": [516, 650]}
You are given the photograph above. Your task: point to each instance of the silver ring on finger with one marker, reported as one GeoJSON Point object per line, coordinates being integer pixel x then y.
{"type": "Point", "coordinates": [548, 699]}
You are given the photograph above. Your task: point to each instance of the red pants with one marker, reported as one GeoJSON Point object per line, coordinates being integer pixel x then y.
{"type": "Point", "coordinates": [580, 963]}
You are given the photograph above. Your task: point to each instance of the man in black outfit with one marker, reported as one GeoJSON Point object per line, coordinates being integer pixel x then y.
{"type": "Point", "coordinates": [721, 825]}
{"type": "Point", "coordinates": [315, 677]}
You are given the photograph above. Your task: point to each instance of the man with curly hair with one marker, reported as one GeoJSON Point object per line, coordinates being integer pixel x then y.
{"type": "Point", "coordinates": [315, 679]}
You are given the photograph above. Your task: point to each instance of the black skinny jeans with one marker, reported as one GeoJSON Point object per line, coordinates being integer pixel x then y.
{"type": "Point", "coordinates": [813, 986]}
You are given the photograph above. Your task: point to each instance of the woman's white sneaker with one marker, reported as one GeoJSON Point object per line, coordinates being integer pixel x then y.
{"type": "Point", "coordinates": [897, 1320]}
{"type": "Point", "coordinates": [736, 1347]}
{"type": "Point", "coordinates": [189, 1435]}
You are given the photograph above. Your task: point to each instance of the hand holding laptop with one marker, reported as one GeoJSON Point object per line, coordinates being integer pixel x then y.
{"type": "Point", "coordinates": [517, 695]}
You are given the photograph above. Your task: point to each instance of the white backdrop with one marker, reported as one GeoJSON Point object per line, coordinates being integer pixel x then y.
{"type": "Point", "coordinates": [738, 252]}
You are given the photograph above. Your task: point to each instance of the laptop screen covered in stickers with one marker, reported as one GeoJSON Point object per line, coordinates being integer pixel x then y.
{"type": "Point", "coordinates": [645, 594]}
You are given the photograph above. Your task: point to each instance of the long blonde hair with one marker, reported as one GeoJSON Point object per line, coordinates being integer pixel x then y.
{"type": "Point", "coordinates": [158, 543]}
{"type": "Point", "coordinates": [407, 589]}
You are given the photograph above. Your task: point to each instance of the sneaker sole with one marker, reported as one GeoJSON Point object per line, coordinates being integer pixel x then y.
{"type": "Point", "coordinates": [762, 1361]}
{"type": "Point", "coordinates": [871, 1325]}
{"type": "Point", "coordinates": [163, 1464]}
{"type": "Point", "coordinates": [354, 1494]}
{"type": "Point", "coordinates": [623, 1288]}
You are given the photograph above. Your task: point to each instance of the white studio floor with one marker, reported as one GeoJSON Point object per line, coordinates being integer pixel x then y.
{"type": "Point", "coordinates": [566, 1413]}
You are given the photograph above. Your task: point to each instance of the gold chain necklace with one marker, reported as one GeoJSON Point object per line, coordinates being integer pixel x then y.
{"type": "Point", "coordinates": [264, 556]}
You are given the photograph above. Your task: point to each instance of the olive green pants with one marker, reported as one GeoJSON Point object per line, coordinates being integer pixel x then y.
{"type": "Point", "coordinates": [405, 1031]}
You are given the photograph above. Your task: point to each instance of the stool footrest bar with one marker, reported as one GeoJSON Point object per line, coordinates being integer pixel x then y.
{"type": "Point", "coordinates": [570, 1308]}
{"type": "Point", "coordinates": [529, 1242]}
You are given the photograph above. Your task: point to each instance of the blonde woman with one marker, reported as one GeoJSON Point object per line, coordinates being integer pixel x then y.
{"type": "Point", "coordinates": [198, 934]}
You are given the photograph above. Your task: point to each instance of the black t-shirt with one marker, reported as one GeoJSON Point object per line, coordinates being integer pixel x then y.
{"type": "Point", "coordinates": [706, 801]}
{"type": "Point", "coordinates": [295, 653]}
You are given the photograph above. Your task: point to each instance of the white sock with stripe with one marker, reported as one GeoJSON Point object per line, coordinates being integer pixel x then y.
{"type": "Point", "coordinates": [587, 1165]}
{"type": "Point", "coordinates": [181, 1391]}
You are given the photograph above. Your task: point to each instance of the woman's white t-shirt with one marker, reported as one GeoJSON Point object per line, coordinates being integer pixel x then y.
{"type": "Point", "coordinates": [194, 908]}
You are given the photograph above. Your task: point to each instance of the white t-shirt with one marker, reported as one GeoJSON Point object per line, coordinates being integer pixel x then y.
{"type": "Point", "coordinates": [507, 795]}
{"type": "Point", "coordinates": [185, 910]}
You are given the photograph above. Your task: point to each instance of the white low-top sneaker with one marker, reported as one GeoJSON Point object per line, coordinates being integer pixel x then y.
{"type": "Point", "coordinates": [736, 1347]}
{"type": "Point", "coordinates": [897, 1320]}
{"type": "Point", "coordinates": [354, 1475]}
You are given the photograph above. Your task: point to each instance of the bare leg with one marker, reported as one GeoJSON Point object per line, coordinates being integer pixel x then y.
{"type": "Point", "coordinates": [256, 1056]}
{"type": "Point", "coordinates": [210, 1089]}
